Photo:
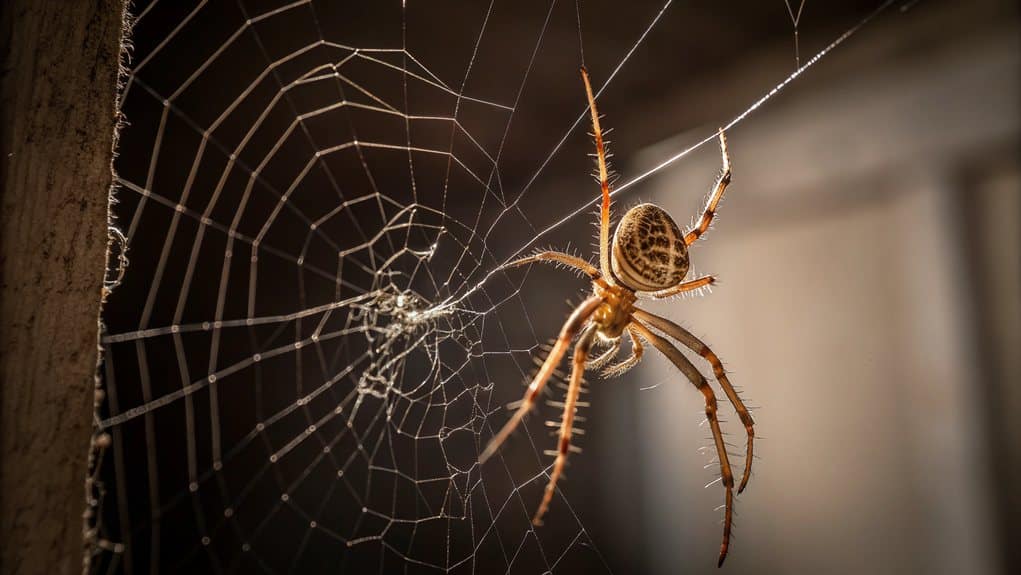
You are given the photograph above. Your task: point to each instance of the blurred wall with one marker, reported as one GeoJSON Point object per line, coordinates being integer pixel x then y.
{"type": "Point", "coordinates": [872, 224]}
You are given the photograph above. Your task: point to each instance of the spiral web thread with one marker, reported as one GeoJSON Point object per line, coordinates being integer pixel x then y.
{"type": "Point", "coordinates": [299, 364]}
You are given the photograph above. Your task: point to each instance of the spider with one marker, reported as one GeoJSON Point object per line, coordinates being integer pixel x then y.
{"type": "Point", "coordinates": [648, 256]}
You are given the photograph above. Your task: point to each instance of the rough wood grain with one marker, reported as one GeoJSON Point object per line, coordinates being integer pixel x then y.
{"type": "Point", "coordinates": [57, 120]}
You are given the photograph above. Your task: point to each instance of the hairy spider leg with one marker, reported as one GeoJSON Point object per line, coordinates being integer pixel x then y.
{"type": "Point", "coordinates": [568, 260]}
{"type": "Point", "coordinates": [581, 350]}
{"type": "Point", "coordinates": [632, 360]}
{"type": "Point", "coordinates": [606, 356]}
{"type": "Point", "coordinates": [604, 181]}
{"type": "Point", "coordinates": [714, 198]}
{"type": "Point", "coordinates": [698, 346]}
{"type": "Point", "coordinates": [571, 328]}
{"type": "Point", "coordinates": [683, 287]}
{"type": "Point", "coordinates": [696, 378]}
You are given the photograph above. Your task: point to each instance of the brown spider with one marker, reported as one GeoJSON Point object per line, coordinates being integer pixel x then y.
{"type": "Point", "coordinates": [649, 256]}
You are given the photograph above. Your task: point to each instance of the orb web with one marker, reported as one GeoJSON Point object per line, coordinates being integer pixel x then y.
{"type": "Point", "coordinates": [300, 362]}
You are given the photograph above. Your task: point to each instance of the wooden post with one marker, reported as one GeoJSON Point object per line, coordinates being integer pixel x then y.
{"type": "Point", "coordinates": [57, 125]}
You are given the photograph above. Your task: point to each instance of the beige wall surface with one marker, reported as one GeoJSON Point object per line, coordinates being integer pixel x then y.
{"type": "Point", "coordinates": [847, 312]}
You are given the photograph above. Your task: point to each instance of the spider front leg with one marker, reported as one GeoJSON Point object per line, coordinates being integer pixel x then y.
{"type": "Point", "coordinates": [604, 179]}
{"type": "Point", "coordinates": [698, 346]}
{"type": "Point", "coordinates": [677, 358]}
{"type": "Point", "coordinates": [573, 262]}
{"type": "Point", "coordinates": [714, 198]}
{"type": "Point", "coordinates": [683, 287]}
{"type": "Point", "coordinates": [636, 355]}
{"type": "Point", "coordinates": [571, 328]}
{"type": "Point", "coordinates": [581, 350]}
{"type": "Point", "coordinates": [604, 357]}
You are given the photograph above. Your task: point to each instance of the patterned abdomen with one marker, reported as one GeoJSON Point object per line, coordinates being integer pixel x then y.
{"type": "Point", "coordinates": [649, 252]}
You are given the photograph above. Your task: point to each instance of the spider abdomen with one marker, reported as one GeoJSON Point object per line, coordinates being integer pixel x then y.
{"type": "Point", "coordinates": [649, 252]}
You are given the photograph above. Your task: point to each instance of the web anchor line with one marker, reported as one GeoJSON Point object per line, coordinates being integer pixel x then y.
{"type": "Point", "coordinates": [618, 190]}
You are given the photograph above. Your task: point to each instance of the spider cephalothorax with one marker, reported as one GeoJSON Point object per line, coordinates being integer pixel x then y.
{"type": "Point", "coordinates": [648, 256]}
{"type": "Point", "coordinates": [614, 311]}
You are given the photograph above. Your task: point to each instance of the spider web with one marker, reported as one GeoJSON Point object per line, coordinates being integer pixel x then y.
{"type": "Point", "coordinates": [313, 337]}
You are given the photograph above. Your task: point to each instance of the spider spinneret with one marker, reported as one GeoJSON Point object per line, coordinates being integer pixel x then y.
{"type": "Point", "coordinates": [648, 256]}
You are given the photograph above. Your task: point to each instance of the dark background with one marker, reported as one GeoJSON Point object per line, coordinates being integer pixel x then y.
{"type": "Point", "coordinates": [867, 256]}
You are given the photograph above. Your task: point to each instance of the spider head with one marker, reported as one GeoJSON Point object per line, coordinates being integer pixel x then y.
{"type": "Point", "coordinates": [649, 252]}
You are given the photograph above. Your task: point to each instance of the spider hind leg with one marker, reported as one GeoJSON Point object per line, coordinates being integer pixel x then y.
{"type": "Point", "coordinates": [698, 380]}
{"type": "Point", "coordinates": [698, 346]}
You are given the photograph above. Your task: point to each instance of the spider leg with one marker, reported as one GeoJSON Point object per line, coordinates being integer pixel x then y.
{"type": "Point", "coordinates": [604, 180]}
{"type": "Point", "coordinates": [573, 262]}
{"type": "Point", "coordinates": [581, 350]}
{"type": "Point", "coordinates": [714, 198]}
{"type": "Point", "coordinates": [683, 287]}
{"type": "Point", "coordinates": [636, 355]}
{"type": "Point", "coordinates": [696, 378]}
{"type": "Point", "coordinates": [571, 327]}
{"type": "Point", "coordinates": [698, 346]}
{"type": "Point", "coordinates": [605, 357]}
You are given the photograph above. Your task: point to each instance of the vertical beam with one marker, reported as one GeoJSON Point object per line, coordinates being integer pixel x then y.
{"type": "Point", "coordinates": [57, 124]}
